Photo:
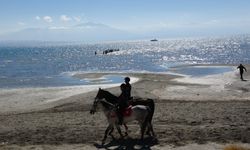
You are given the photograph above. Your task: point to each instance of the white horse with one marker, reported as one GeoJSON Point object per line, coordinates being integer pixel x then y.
{"type": "Point", "coordinates": [139, 112]}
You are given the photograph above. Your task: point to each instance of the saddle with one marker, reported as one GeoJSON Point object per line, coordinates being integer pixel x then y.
{"type": "Point", "coordinates": [127, 111]}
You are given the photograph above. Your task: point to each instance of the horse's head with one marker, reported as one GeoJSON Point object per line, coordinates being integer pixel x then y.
{"type": "Point", "coordinates": [99, 96]}
{"type": "Point", "coordinates": [106, 100]}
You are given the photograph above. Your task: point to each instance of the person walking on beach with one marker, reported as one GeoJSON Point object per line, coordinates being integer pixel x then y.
{"type": "Point", "coordinates": [241, 68]}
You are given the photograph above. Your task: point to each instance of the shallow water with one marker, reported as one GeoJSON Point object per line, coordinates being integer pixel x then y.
{"type": "Point", "coordinates": [198, 71]}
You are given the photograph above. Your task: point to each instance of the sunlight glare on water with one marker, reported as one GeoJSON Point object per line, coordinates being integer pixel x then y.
{"type": "Point", "coordinates": [35, 64]}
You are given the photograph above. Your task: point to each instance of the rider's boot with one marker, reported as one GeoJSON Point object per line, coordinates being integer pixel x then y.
{"type": "Point", "coordinates": [120, 118]}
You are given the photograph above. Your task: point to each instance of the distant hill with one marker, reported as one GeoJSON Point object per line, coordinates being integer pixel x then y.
{"type": "Point", "coordinates": [82, 32]}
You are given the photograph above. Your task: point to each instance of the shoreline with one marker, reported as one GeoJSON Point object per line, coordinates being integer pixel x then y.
{"type": "Point", "coordinates": [17, 100]}
{"type": "Point", "coordinates": [165, 85]}
{"type": "Point", "coordinates": [210, 112]}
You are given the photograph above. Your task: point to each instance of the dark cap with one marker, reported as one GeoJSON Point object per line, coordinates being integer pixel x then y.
{"type": "Point", "coordinates": [127, 79]}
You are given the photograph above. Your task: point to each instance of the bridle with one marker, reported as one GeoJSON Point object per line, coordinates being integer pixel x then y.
{"type": "Point", "coordinates": [93, 109]}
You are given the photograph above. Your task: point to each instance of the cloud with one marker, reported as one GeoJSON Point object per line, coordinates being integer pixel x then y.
{"type": "Point", "coordinates": [65, 18]}
{"type": "Point", "coordinates": [21, 23]}
{"type": "Point", "coordinates": [58, 28]}
{"type": "Point", "coordinates": [38, 18]}
{"type": "Point", "coordinates": [77, 18]}
{"type": "Point", "coordinates": [47, 19]}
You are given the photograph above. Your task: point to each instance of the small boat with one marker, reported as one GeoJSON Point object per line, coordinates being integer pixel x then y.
{"type": "Point", "coordinates": [153, 40]}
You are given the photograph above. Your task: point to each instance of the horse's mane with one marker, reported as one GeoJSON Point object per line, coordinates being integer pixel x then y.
{"type": "Point", "coordinates": [111, 98]}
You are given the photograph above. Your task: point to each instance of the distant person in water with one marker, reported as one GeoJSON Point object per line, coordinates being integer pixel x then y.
{"type": "Point", "coordinates": [95, 52]}
{"type": "Point", "coordinates": [241, 68]}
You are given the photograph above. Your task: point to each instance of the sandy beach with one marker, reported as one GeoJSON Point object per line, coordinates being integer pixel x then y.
{"type": "Point", "coordinates": [192, 113]}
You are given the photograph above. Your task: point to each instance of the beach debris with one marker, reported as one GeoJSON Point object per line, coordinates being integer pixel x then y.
{"type": "Point", "coordinates": [154, 40]}
{"type": "Point", "coordinates": [235, 147]}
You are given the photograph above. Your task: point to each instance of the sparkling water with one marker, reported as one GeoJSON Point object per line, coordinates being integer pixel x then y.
{"type": "Point", "coordinates": [43, 64]}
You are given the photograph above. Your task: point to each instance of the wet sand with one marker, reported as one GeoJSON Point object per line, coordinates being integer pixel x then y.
{"type": "Point", "coordinates": [191, 113]}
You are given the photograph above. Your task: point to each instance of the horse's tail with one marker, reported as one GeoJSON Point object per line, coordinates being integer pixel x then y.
{"type": "Point", "coordinates": [151, 105]}
{"type": "Point", "coordinates": [148, 117]}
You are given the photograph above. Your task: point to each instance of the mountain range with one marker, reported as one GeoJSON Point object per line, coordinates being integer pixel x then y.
{"type": "Point", "coordinates": [81, 32]}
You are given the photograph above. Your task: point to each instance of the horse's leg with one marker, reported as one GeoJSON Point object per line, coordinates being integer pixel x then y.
{"type": "Point", "coordinates": [144, 124]}
{"type": "Point", "coordinates": [148, 131]}
{"type": "Point", "coordinates": [110, 133]}
{"type": "Point", "coordinates": [106, 132]}
{"type": "Point", "coordinates": [150, 128]}
{"type": "Point", "coordinates": [126, 128]}
{"type": "Point", "coordinates": [143, 127]}
{"type": "Point", "coordinates": [119, 130]}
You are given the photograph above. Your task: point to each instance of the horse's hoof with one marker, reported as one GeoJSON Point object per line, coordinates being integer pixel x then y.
{"type": "Point", "coordinates": [126, 133]}
{"type": "Point", "coordinates": [148, 133]}
{"type": "Point", "coordinates": [155, 140]}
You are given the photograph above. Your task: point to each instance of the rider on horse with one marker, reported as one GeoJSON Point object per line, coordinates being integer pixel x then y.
{"type": "Point", "coordinates": [123, 99]}
{"type": "Point", "coordinates": [127, 88]}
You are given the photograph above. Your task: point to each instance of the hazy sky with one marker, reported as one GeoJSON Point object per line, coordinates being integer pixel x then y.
{"type": "Point", "coordinates": [131, 15]}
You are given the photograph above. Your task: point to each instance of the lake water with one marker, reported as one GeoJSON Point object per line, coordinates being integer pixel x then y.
{"type": "Point", "coordinates": [46, 64]}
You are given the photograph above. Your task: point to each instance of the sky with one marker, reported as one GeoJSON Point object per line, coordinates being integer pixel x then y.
{"type": "Point", "coordinates": [139, 18]}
